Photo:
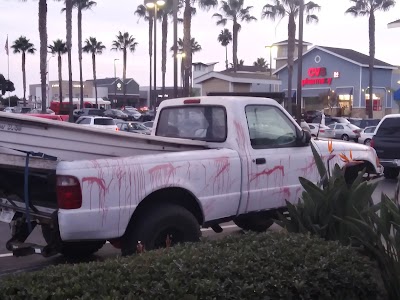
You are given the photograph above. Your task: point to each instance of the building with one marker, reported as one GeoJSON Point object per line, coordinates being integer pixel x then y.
{"type": "Point", "coordinates": [282, 51]}
{"type": "Point", "coordinates": [394, 24]}
{"type": "Point", "coordinates": [109, 88]}
{"type": "Point", "coordinates": [245, 79]}
{"type": "Point", "coordinates": [337, 79]}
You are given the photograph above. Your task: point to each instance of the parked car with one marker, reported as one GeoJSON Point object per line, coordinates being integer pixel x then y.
{"type": "Point", "coordinates": [133, 114]}
{"type": "Point", "coordinates": [87, 112]}
{"type": "Point", "coordinates": [134, 127]}
{"type": "Point", "coordinates": [115, 114]}
{"type": "Point", "coordinates": [343, 131]}
{"type": "Point", "coordinates": [39, 111]}
{"type": "Point", "coordinates": [9, 109]}
{"type": "Point", "coordinates": [311, 115]}
{"type": "Point", "coordinates": [363, 123]}
{"type": "Point", "coordinates": [98, 122]}
{"type": "Point", "coordinates": [148, 124]}
{"type": "Point", "coordinates": [328, 120]}
{"type": "Point", "coordinates": [386, 142]}
{"type": "Point", "coordinates": [318, 129]}
{"type": "Point", "coordinates": [148, 116]}
{"type": "Point", "coordinates": [366, 135]}
{"type": "Point", "coordinates": [22, 110]}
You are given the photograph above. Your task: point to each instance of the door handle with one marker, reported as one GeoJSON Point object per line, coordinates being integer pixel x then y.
{"type": "Point", "coordinates": [260, 161]}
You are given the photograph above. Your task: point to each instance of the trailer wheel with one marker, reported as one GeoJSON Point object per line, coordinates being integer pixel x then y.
{"type": "Point", "coordinates": [153, 226]}
{"type": "Point", "coordinates": [71, 250]}
{"type": "Point", "coordinates": [257, 223]}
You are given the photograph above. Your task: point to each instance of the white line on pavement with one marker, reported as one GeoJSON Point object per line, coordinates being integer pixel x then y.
{"type": "Point", "coordinates": [203, 229]}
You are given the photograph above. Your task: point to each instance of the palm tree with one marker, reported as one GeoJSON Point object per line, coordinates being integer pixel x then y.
{"type": "Point", "coordinates": [368, 8]}
{"type": "Point", "coordinates": [260, 62]}
{"type": "Point", "coordinates": [94, 47]}
{"type": "Point", "coordinates": [124, 42]}
{"type": "Point", "coordinates": [225, 37]}
{"type": "Point", "coordinates": [23, 45]}
{"type": "Point", "coordinates": [187, 23]}
{"type": "Point", "coordinates": [234, 11]}
{"type": "Point", "coordinates": [68, 15]}
{"type": "Point", "coordinates": [147, 15]}
{"type": "Point", "coordinates": [59, 47]}
{"type": "Point", "coordinates": [280, 9]}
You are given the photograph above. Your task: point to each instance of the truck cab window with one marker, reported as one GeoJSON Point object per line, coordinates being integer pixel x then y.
{"type": "Point", "coordinates": [269, 127]}
{"type": "Point", "coordinates": [196, 122]}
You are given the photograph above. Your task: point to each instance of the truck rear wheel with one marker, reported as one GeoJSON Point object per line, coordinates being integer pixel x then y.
{"type": "Point", "coordinates": [257, 223]}
{"type": "Point", "coordinates": [153, 226]}
{"type": "Point", "coordinates": [72, 250]}
{"type": "Point", "coordinates": [391, 173]}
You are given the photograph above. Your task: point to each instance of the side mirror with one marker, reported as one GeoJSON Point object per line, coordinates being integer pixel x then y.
{"type": "Point", "coordinates": [306, 138]}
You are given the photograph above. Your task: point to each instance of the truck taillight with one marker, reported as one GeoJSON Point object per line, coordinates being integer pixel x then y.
{"type": "Point", "coordinates": [69, 194]}
{"type": "Point", "coordinates": [191, 101]}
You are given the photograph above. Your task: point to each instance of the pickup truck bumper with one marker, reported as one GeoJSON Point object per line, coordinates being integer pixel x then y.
{"type": "Point", "coordinates": [390, 163]}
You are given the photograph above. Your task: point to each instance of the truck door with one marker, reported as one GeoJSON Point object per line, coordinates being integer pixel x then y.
{"type": "Point", "coordinates": [276, 160]}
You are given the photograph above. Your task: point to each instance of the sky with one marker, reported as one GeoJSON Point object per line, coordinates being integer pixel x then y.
{"type": "Point", "coordinates": [104, 21]}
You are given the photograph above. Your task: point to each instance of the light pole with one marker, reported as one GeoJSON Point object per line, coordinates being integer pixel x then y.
{"type": "Point", "coordinates": [155, 4]}
{"type": "Point", "coordinates": [48, 83]}
{"type": "Point", "coordinates": [175, 19]}
{"type": "Point", "coordinates": [181, 55]}
{"type": "Point", "coordinates": [115, 77]}
{"type": "Point", "coordinates": [271, 47]}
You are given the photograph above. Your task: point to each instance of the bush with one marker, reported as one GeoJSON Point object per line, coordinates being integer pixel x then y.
{"type": "Point", "coordinates": [249, 266]}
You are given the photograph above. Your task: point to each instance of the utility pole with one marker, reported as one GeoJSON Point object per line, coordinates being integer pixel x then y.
{"type": "Point", "coordinates": [300, 62]}
{"type": "Point", "coordinates": [175, 13]}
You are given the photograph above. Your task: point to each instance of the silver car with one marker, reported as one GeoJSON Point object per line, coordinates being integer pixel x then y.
{"type": "Point", "coordinates": [343, 131]}
{"type": "Point", "coordinates": [366, 135]}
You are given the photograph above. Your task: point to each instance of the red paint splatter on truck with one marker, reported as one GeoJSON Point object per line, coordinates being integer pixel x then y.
{"type": "Point", "coordinates": [268, 172]}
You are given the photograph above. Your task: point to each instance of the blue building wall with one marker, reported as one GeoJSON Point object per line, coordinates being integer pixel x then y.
{"type": "Point", "coordinates": [350, 75]}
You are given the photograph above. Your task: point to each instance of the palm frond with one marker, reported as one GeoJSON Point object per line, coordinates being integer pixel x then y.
{"type": "Point", "coordinates": [312, 19]}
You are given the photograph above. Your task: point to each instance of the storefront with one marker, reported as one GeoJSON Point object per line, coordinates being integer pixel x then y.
{"type": "Point", "coordinates": [336, 80]}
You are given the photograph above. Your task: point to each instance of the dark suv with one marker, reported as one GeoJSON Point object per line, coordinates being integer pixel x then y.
{"type": "Point", "coordinates": [386, 143]}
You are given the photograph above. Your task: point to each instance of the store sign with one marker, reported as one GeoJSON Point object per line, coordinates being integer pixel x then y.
{"type": "Point", "coordinates": [317, 77]}
{"type": "Point", "coordinates": [376, 105]}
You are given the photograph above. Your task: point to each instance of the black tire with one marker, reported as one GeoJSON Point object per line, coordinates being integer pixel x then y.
{"type": "Point", "coordinates": [391, 173]}
{"type": "Point", "coordinates": [257, 223]}
{"type": "Point", "coordinates": [71, 250]}
{"type": "Point", "coordinates": [153, 226]}
{"type": "Point", "coordinates": [367, 142]}
{"type": "Point", "coordinates": [345, 137]}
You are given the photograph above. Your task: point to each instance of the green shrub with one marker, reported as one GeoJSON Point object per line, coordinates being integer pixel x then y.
{"type": "Point", "coordinates": [379, 232]}
{"type": "Point", "coordinates": [250, 266]}
{"type": "Point", "coordinates": [331, 199]}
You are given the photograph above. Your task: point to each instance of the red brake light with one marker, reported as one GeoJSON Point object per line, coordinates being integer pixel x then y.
{"type": "Point", "coordinates": [372, 143]}
{"type": "Point", "coordinates": [322, 130]}
{"type": "Point", "coordinates": [191, 101]}
{"type": "Point", "coordinates": [69, 194]}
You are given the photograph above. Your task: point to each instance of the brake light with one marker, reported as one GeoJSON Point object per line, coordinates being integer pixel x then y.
{"type": "Point", "coordinates": [191, 101]}
{"type": "Point", "coordinates": [117, 129]}
{"type": "Point", "coordinates": [69, 194]}
{"type": "Point", "coordinates": [372, 143]}
{"type": "Point", "coordinates": [322, 130]}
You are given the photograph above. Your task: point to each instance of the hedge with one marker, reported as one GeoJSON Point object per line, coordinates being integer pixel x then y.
{"type": "Point", "coordinates": [249, 266]}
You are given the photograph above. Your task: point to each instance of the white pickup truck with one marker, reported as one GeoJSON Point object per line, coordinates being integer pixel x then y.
{"type": "Point", "coordinates": [253, 156]}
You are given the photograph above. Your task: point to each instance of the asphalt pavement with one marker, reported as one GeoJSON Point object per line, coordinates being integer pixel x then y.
{"type": "Point", "coordinates": [10, 264]}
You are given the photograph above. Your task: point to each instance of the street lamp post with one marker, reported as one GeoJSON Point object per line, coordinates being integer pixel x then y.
{"type": "Point", "coordinates": [115, 77]}
{"type": "Point", "coordinates": [270, 63]}
{"type": "Point", "coordinates": [175, 18]}
{"type": "Point", "coordinates": [155, 4]}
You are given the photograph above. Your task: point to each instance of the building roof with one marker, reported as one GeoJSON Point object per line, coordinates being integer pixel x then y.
{"type": "Point", "coordinates": [204, 64]}
{"type": "Point", "coordinates": [239, 77]}
{"type": "Point", "coordinates": [252, 69]}
{"type": "Point", "coordinates": [110, 81]}
{"type": "Point", "coordinates": [394, 24]}
{"type": "Point", "coordinates": [285, 42]}
{"type": "Point", "coordinates": [349, 55]}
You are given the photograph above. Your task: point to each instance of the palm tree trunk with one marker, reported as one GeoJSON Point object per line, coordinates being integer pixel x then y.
{"type": "Point", "coordinates": [187, 49]}
{"type": "Point", "coordinates": [226, 57]}
{"type": "Point", "coordinates": [124, 76]}
{"type": "Point", "coordinates": [371, 61]}
{"type": "Point", "coordinates": [94, 76]}
{"type": "Point", "coordinates": [80, 51]}
{"type": "Point", "coordinates": [60, 77]}
{"type": "Point", "coordinates": [164, 33]}
{"type": "Point", "coordinates": [43, 50]}
{"type": "Point", "coordinates": [235, 44]}
{"type": "Point", "coordinates": [150, 56]}
{"type": "Point", "coordinates": [68, 13]}
{"type": "Point", "coordinates": [24, 76]}
{"type": "Point", "coordinates": [291, 47]}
